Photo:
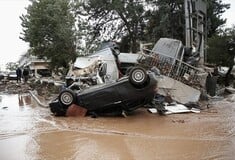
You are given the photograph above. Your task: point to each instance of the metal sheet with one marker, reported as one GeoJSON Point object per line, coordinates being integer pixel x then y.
{"type": "Point", "coordinates": [178, 91]}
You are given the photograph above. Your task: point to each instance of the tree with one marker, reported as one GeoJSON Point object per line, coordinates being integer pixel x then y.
{"type": "Point", "coordinates": [169, 19]}
{"type": "Point", "coordinates": [11, 66]}
{"type": "Point", "coordinates": [221, 50]}
{"type": "Point", "coordinates": [133, 21]}
{"type": "Point", "coordinates": [217, 51]}
{"type": "Point", "coordinates": [114, 19]}
{"type": "Point", "coordinates": [49, 25]}
{"type": "Point", "coordinates": [214, 15]}
{"type": "Point", "coordinates": [49, 28]}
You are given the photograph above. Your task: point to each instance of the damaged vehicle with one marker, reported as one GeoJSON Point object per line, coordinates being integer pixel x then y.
{"type": "Point", "coordinates": [124, 95]}
{"type": "Point", "coordinates": [111, 83]}
{"type": "Point", "coordinates": [104, 66]}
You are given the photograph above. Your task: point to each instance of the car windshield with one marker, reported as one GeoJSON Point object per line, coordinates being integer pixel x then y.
{"type": "Point", "coordinates": [12, 72]}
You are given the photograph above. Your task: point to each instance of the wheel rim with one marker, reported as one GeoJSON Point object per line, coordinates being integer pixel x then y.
{"type": "Point", "coordinates": [138, 76]}
{"type": "Point", "coordinates": [66, 98]}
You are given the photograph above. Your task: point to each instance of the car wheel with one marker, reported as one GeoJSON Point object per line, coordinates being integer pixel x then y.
{"type": "Point", "coordinates": [138, 77]}
{"type": "Point", "coordinates": [67, 97]}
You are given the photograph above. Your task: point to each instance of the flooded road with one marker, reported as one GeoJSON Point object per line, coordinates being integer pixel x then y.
{"type": "Point", "coordinates": [30, 132]}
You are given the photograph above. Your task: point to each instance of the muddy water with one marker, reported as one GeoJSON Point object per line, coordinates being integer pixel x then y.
{"type": "Point", "coordinates": [29, 132]}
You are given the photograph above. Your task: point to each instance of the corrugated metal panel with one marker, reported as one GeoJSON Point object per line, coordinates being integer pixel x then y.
{"type": "Point", "coordinates": [168, 47]}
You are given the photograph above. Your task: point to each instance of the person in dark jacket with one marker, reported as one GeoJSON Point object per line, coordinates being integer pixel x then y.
{"type": "Point", "coordinates": [26, 74]}
{"type": "Point", "coordinates": [19, 74]}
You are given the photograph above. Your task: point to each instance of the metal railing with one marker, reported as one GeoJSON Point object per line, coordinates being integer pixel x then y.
{"type": "Point", "coordinates": [174, 68]}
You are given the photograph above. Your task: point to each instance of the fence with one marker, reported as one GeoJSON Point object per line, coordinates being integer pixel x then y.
{"type": "Point", "coordinates": [175, 69]}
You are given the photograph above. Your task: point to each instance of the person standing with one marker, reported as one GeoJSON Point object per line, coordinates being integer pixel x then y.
{"type": "Point", "coordinates": [26, 74]}
{"type": "Point", "coordinates": [19, 74]}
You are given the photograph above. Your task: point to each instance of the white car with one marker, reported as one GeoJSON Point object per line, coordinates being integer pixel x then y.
{"type": "Point", "coordinates": [104, 66]}
{"type": "Point", "coordinates": [12, 75]}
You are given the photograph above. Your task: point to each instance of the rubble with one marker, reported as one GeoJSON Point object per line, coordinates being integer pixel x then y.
{"type": "Point", "coordinates": [179, 91]}
{"type": "Point", "coordinates": [181, 84]}
{"type": "Point", "coordinates": [14, 88]}
{"type": "Point", "coordinates": [174, 109]}
{"type": "Point", "coordinates": [43, 89]}
{"type": "Point", "coordinates": [180, 80]}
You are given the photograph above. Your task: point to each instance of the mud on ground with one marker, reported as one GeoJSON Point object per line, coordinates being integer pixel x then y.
{"type": "Point", "coordinates": [44, 89]}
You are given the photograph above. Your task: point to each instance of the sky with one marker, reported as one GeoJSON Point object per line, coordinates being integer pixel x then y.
{"type": "Point", "coordinates": [12, 47]}
{"type": "Point", "coordinates": [230, 13]}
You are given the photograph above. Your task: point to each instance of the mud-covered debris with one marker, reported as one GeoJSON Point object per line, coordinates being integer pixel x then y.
{"type": "Point", "coordinates": [178, 121]}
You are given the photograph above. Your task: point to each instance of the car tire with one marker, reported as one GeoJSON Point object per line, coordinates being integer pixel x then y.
{"type": "Point", "coordinates": [67, 97]}
{"type": "Point", "coordinates": [138, 77]}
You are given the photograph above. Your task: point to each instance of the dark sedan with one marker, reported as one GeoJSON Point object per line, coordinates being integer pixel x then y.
{"type": "Point", "coordinates": [124, 95]}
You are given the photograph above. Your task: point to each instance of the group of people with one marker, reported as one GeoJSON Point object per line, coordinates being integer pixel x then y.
{"type": "Point", "coordinates": [22, 74]}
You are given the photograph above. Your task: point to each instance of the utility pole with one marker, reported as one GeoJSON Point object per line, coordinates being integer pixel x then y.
{"type": "Point", "coordinates": [196, 27]}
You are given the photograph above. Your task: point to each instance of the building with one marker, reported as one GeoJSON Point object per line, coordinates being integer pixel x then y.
{"type": "Point", "coordinates": [38, 67]}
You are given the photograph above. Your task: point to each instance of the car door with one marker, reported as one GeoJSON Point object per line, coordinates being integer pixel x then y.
{"type": "Point", "coordinates": [98, 97]}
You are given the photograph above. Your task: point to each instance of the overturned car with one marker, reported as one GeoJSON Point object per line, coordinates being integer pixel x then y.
{"type": "Point", "coordinates": [132, 91]}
